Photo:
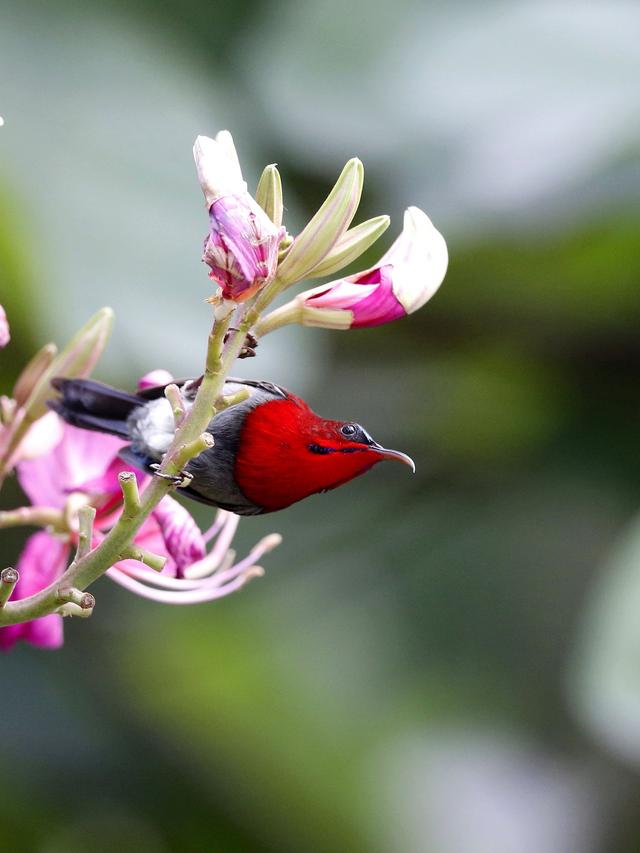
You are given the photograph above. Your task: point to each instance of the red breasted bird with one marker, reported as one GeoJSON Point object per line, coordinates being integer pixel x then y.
{"type": "Point", "coordinates": [270, 450]}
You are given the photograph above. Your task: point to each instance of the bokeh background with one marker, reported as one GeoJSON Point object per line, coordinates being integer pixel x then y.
{"type": "Point", "coordinates": [448, 663]}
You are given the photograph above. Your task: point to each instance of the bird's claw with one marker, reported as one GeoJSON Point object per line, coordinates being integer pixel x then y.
{"type": "Point", "coordinates": [180, 480]}
{"type": "Point", "coordinates": [250, 343]}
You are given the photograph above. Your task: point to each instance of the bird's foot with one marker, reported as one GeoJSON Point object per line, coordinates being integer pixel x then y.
{"type": "Point", "coordinates": [250, 343]}
{"type": "Point", "coordinates": [181, 480]}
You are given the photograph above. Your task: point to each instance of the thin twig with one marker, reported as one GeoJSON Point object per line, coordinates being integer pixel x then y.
{"type": "Point", "coordinates": [8, 580]}
{"type": "Point", "coordinates": [130, 495]}
{"type": "Point", "coordinates": [86, 514]}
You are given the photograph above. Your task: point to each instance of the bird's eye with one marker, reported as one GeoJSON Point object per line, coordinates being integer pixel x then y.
{"type": "Point", "coordinates": [349, 430]}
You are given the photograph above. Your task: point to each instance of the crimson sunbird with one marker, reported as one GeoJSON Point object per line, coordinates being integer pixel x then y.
{"type": "Point", "coordinates": [270, 450]}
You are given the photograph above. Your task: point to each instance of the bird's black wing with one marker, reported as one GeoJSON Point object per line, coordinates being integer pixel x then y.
{"type": "Point", "coordinates": [264, 385]}
{"type": "Point", "coordinates": [157, 391]}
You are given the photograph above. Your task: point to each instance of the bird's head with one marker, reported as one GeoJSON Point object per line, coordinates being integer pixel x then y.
{"type": "Point", "coordinates": [286, 453]}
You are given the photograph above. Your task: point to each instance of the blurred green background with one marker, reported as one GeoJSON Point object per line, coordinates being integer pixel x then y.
{"type": "Point", "coordinates": [448, 663]}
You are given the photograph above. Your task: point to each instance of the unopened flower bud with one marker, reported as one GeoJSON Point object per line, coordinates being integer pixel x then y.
{"type": "Point", "coordinates": [218, 167]}
{"type": "Point", "coordinates": [269, 193]}
{"type": "Point", "coordinates": [32, 372]}
{"type": "Point", "coordinates": [242, 245]}
{"type": "Point", "coordinates": [78, 358]}
{"type": "Point", "coordinates": [321, 234]}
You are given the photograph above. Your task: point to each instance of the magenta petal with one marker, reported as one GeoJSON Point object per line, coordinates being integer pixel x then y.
{"type": "Point", "coordinates": [379, 306]}
{"type": "Point", "coordinates": [79, 457]}
{"type": "Point", "coordinates": [369, 296]}
{"type": "Point", "coordinates": [47, 632]}
{"type": "Point", "coordinates": [106, 482]}
{"type": "Point", "coordinates": [182, 536]}
{"type": "Point", "coordinates": [43, 559]}
{"type": "Point", "coordinates": [170, 531]}
{"type": "Point", "coordinates": [242, 246]}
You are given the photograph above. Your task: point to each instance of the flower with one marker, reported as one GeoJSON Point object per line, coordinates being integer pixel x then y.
{"type": "Point", "coordinates": [83, 468]}
{"type": "Point", "coordinates": [5, 337]}
{"type": "Point", "coordinates": [242, 245]}
{"type": "Point", "coordinates": [402, 281]}
{"type": "Point", "coordinates": [213, 576]}
{"type": "Point", "coordinates": [43, 559]}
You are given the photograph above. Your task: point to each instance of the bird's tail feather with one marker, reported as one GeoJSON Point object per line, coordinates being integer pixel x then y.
{"type": "Point", "coordinates": [92, 405]}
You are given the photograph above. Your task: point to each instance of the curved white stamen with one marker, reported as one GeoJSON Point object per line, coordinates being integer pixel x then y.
{"type": "Point", "coordinates": [170, 590]}
{"type": "Point", "coordinates": [219, 520]}
{"type": "Point", "coordinates": [194, 596]}
{"type": "Point", "coordinates": [210, 563]}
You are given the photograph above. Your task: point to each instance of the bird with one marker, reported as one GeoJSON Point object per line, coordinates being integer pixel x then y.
{"type": "Point", "coordinates": [270, 450]}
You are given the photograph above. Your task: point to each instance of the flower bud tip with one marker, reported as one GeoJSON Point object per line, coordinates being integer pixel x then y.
{"type": "Point", "coordinates": [87, 601]}
{"type": "Point", "coordinates": [10, 575]}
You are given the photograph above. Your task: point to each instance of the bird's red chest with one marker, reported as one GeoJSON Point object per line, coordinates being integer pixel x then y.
{"type": "Point", "coordinates": [275, 466]}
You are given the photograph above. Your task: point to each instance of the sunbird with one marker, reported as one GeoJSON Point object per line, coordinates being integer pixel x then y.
{"type": "Point", "coordinates": [270, 450]}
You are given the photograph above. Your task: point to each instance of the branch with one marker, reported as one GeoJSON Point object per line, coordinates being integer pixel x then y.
{"type": "Point", "coordinates": [86, 515]}
{"type": "Point", "coordinates": [173, 395]}
{"type": "Point", "coordinates": [8, 580]}
{"type": "Point", "coordinates": [147, 558]}
{"type": "Point", "coordinates": [33, 516]}
{"type": "Point", "coordinates": [188, 441]}
{"type": "Point", "coordinates": [130, 495]}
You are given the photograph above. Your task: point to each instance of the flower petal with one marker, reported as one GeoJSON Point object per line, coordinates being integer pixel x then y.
{"type": "Point", "coordinates": [406, 277]}
{"type": "Point", "coordinates": [43, 559]}
{"type": "Point", "coordinates": [5, 336]}
{"type": "Point", "coordinates": [42, 437]}
{"type": "Point", "coordinates": [218, 167]}
{"type": "Point", "coordinates": [79, 457]}
{"type": "Point", "coordinates": [182, 536]}
{"type": "Point", "coordinates": [419, 257]}
{"type": "Point", "coordinates": [242, 246]}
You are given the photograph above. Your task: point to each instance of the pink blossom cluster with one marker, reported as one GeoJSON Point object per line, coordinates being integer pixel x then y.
{"type": "Point", "coordinates": [82, 468]}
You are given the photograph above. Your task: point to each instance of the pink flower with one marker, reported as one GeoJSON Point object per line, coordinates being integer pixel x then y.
{"type": "Point", "coordinates": [402, 281]}
{"type": "Point", "coordinates": [242, 245]}
{"type": "Point", "coordinates": [83, 467]}
{"type": "Point", "coordinates": [43, 559]}
{"type": "Point", "coordinates": [5, 337]}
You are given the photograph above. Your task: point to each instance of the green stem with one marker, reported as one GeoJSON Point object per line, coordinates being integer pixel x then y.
{"type": "Point", "coordinates": [86, 515]}
{"type": "Point", "coordinates": [130, 496]}
{"type": "Point", "coordinates": [283, 316]}
{"type": "Point", "coordinates": [147, 558]}
{"type": "Point", "coordinates": [33, 516]}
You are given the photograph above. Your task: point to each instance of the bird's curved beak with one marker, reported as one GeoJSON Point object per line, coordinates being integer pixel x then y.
{"type": "Point", "coordinates": [397, 455]}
